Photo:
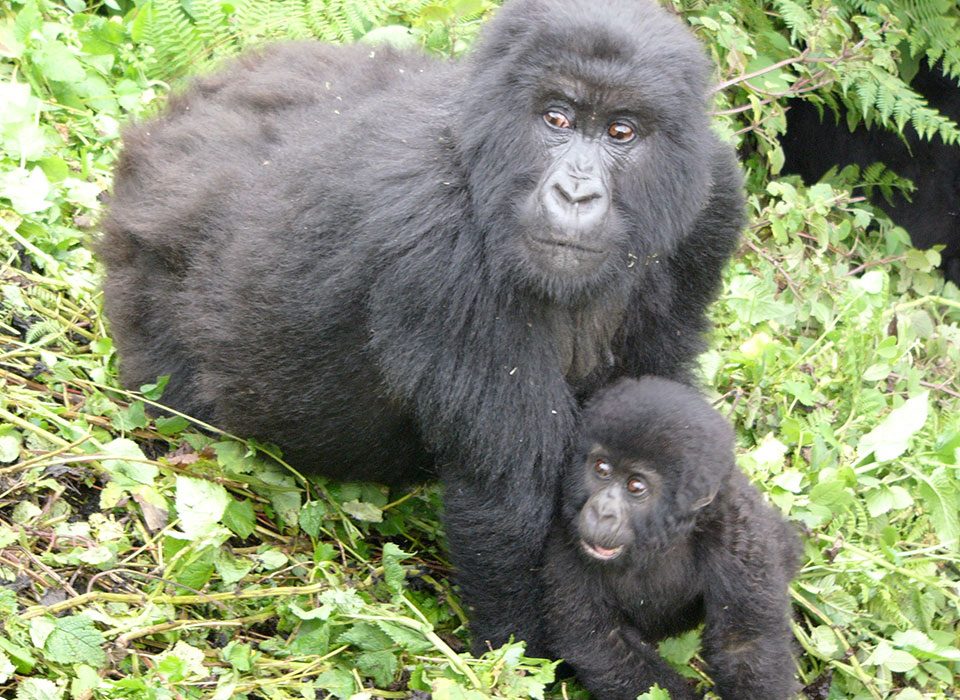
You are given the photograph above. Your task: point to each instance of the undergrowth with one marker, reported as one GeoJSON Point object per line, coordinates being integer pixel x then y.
{"type": "Point", "coordinates": [141, 558]}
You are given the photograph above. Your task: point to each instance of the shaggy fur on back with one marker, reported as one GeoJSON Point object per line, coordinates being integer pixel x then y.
{"type": "Point", "coordinates": [318, 245]}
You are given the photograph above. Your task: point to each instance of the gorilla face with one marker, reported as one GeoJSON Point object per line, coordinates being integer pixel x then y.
{"type": "Point", "coordinates": [568, 223]}
{"type": "Point", "coordinates": [605, 164]}
{"type": "Point", "coordinates": [654, 455]}
{"type": "Point", "coordinates": [623, 494]}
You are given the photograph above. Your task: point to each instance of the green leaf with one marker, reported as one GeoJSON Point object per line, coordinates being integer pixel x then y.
{"type": "Point", "coordinates": [830, 493]}
{"type": "Point", "coordinates": [9, 444]}
{"type": "Point", "coordinates": [196, 573]}
{"type": "Point", "coordinates": [312, 638]}
{"type": "Point", "coordinates": [27, 190]}
{"type": "Point", "coordinates": [182, 662]}
{"type": "Point", "coordinates": [240, 518]}
{"type": "Point", "coordinates": [7, 668]}
{"type": "Point", "coordinates": [940, 496]}
{"type": "Point", "coordinates": [272, 559]}
{"type": "Point", "coordinates": [381, 666]}
{"type": "Point", "coordinates": [681, 649]}
{"type": "Point", "coordinates": [21, 657]}
{"type": "Point", "coordinates": [338, 682]}
{"type": "Point", "coordinates": [311, 517]}
{"type": "Point", "coordinates": [124, 471]}
{"type": "Point", "coordinates": [28, 20]}
{"type": "Point", "coordinates": [38, 689]}
{"type": "Point", "coordinates": [395, 35]}
{"type": "Point", "coordinates": [448, 689]}
{"type": "Point", "coordinates": [366, 636]}
{"type": "Point", "coordinates": [655, 693]}
{"type": "Point", "coordinates": [230, 568]}
{"type": "Point", "coordinates": [155, 391]}
{"type": "Point", "coordinates": [407, 638]}
{"type": "Point", "coordinates": [362, 510]}
{"type": "Point", "coordinates": [131, 418]}
{"type": "Point", "coordinates": [59, 63]}
{"type": "Point", "coordinates": [200, 505]}
{"type": "Point", "coordinates": [171, 425]}
{"type": "Point", "coordinates": [891, 437]}
{"type": "Point", "coordinates": [75, 639]}
{"type": "Point", "coordinates": [239, 655]}
{"type": "Point", "coordinates": [393, 572]}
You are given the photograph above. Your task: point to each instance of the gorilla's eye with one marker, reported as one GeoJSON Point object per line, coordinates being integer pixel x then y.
{"type": "Point", "coordinates": [558, 120]}
{"type": "Point", "coordinates": [621, 132]}
{"type": "Point", "coordinates": [637, 486]}
{"type": "Point", "coordinates": [603, 468]}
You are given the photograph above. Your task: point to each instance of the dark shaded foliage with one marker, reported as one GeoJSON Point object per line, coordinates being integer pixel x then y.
{"type": "Point", "coordinates": [383, 262]}
{"type": "Point", "coordinates": [658, 531]}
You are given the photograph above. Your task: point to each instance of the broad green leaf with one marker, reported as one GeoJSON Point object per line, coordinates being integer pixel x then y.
{"type": "Point", "coordinates": [127, 465]}
{"type": "Point", "coordinates": [240, 518]}
{"type": "Point", "coordinates": [311, 517]}
{"type": "Point", "coordinates": [448, 689]}
{"type": "Point", "coordinates": [393, 572]}
{"type": "Point", "coordinates": [338, 682]}
{"type": "Point", "coordinates": [366, 636]}
{"type": "Point", "coordinates": [27, 190]}
{"type": "Point", "coordinates": [200, 505]}
{"type": "Point", "coordinates": [361, 510]}
{"type": "Point", "coordinates": [940, 496]}
{"type": "Point", "coordinates": [182, 662]}
{"type": "Point", "coordinates": [39, 689]}
{"type": "Point", "coordinates": [381, 666]}
{"type": "Point", "coordinates": [75, 639]}
{"type": "Point", "coordinates": [59, 63]}
{"type": "Point", "coordinates": [9, 445]}
{"type": "Point", "coordinates": [7, 668]}
{"type": "Point", "coordinates": [407, 638]}
{"type": "Point", "coordinates": [891, 437]}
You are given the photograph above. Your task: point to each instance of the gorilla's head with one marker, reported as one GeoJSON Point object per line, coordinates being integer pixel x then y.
{"type": "Point", "coordinates": [605, 157]}
{"type": "Point", "coordinates": [654, 455]}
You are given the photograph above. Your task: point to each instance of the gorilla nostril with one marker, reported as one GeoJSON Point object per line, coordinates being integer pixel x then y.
{"type": "Point", "coordinates": [564, 195]}
{"type": "Point", "coordinates": [578, 193]}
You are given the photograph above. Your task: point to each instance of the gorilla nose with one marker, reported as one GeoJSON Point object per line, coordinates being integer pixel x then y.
{"type": "Point", "coordinates": [602, 520]}
{"type": "Point", "coordinates": [578, 191]}
{"type": "Point", "coordinates": [575, 202]}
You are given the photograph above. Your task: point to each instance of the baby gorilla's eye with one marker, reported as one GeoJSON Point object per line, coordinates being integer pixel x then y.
{"type": "Point", "coordinates": [558, 120]}
{"type": "Point", "coordinates": [603, 468]}
{"type": "Point", "coordinates": [637, 486]}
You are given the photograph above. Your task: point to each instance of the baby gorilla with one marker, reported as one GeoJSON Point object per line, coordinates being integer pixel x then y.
{"type": "Point", "coordinates": [659, 531]}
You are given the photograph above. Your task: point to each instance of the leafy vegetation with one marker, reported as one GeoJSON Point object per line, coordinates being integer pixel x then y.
{"type": "Point", "coordinates": [142, 559]}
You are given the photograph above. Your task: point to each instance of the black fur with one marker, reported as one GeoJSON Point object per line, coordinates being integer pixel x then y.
{"type": "Point", "coordinates": [321, 245]}
{"type": "Point", "coordinates": [814, 145]}
{"type": "Point", "coordinates": [702, 546]}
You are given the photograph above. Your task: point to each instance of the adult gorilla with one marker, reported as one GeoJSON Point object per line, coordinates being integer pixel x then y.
{"type": "Point", "coordinates": [396, 267]}
{"type": "Point", "coordinates": [815, 143]}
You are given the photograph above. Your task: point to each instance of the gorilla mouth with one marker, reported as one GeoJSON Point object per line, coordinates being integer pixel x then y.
{"type": "Point", "coordinates": [601, 553]}
{"type": "Point", "coordinates": [555, 243]}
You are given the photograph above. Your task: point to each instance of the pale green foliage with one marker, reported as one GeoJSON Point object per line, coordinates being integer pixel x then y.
{"type": "Point", "coordinates": [215, 571]}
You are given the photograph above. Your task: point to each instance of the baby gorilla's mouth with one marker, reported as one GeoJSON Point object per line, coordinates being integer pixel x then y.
{"type": "Point", "coordinates": [601, 553]}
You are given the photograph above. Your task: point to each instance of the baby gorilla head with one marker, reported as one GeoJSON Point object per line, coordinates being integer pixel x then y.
{"type": "Point", "coordinates": [655, 453]}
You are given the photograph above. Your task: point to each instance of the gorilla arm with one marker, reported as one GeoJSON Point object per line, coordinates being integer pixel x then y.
{"type": "Point", "coordinates": [479, 376]}
{"type": "Point", "coordinates": [747, 638]}
{"type": "Point", "coordinates": [609, 655]}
